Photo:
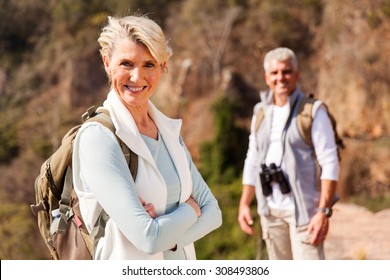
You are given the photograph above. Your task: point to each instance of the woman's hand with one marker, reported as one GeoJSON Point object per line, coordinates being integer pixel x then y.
{"type": "Point", "coordinates": [190, 201]}
{"type": "Point", "coordinates": [149, 208]}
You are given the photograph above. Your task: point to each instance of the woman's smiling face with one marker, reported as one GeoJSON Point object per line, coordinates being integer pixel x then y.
{"type": "Point", "coordinates": [133, 72]}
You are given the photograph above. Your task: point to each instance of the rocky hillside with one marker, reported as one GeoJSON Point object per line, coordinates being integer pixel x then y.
{"type": "Point", "coordinates": [344, 51]}
{"type": "Point", "coordinates": [50, 71]}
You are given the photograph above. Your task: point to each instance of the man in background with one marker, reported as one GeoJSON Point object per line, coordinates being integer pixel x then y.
{"type": "Point", "coordinates": [281, 168]}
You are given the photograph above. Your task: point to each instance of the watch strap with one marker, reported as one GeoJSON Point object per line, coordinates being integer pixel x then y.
{"type": "Point", "coordinates": [326, 210]}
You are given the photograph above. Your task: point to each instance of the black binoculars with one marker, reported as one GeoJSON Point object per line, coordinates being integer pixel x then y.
{"type": "Point", "coordinates": [270, 174]}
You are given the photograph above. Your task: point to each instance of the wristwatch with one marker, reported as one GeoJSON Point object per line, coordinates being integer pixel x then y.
{"type": "Point", "coordinates": [326, 210]}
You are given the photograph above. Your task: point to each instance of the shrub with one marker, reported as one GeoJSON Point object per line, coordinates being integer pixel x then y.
{"type": "Point", "coordinates": [222, 159]}
{"type": "Point", "coordinates": [9, 147]}
{"type": "Point", "coordinates": [18, 233]}
{"type": "Point", "coordinates": [229, 242]}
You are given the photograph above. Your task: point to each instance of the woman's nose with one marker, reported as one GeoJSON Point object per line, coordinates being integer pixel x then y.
{"type": "Point", "coordinates": [135, 74]}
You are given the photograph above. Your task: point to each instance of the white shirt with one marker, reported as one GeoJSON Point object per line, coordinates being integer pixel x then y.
{"type": "Point", "coordinates": [274, 155]}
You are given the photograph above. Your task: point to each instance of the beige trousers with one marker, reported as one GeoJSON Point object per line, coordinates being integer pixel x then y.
{"type": "Point", "coordinates": [285, 241]}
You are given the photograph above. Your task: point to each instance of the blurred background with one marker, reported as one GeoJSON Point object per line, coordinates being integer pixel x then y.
{"type": "Point", "coordinates": [51, 71]}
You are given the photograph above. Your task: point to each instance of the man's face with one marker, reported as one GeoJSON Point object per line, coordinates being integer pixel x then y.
{"type": "Point", "coordinates": [281, 77]}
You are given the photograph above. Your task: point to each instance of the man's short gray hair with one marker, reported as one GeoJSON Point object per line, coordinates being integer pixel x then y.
{"type": "Point", "coordinates": [280, 54]}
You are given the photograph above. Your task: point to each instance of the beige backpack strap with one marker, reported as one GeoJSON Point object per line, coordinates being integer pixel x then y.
{"type": "Point", "coordinates": [338, 140]}
{"type": "Point", "coordinates": [259, 118]}
{"type": "Point", "coordinates": [131, 158]}
{"type": "Point", "coordinates": [305, 118]}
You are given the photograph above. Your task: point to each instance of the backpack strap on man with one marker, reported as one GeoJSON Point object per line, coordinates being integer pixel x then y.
{"type": "Point", "coordinates": [259, 118]}
{"type": "Point", "coordinates": [338, 140]}
{"type": "Point", "coordinates": [305, 118]}
{"type": "Point", "coordinates": [305, 121]}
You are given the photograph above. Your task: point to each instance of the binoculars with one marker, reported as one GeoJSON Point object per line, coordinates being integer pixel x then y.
{"type": "Point", "coordinates": [270, 174]}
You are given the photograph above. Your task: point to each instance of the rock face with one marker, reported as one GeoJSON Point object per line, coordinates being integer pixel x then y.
{"type": "Point", "coordinates": [354, 68]}
{"type": "Point", "coordinates": [348, 68]}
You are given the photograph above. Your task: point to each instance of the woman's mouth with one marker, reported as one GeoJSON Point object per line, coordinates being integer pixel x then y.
{"type": "Point", "coordinates": [135, 89]}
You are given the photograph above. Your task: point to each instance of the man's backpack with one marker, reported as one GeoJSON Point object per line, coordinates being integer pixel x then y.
{"type": "Point", "coordinates": [305, 120]}
{"type": "Point", "coordinates": [57, 207]}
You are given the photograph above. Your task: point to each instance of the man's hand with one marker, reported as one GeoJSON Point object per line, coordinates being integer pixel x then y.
{"type": "Point", "coordinates": [318, 228]}
{"type": "Point", "coordinates": [244, 212]}
{"type": "Point", "coordinates": [245, 219]}
{"type": "Point", "coordinates": [319, 224]}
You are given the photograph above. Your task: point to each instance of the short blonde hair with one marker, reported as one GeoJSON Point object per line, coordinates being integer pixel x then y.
{"type": "Point", "coordinates": [140, 29]}
{"type": "Point", "coordinates": [280, 54]}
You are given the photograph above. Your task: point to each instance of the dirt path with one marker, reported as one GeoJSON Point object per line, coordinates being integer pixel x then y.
{"type": "Point", "coordinates": [356, 233]}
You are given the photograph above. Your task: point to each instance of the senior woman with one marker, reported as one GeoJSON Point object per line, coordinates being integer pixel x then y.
{"type": "Point", "coordinates": [169, 206]}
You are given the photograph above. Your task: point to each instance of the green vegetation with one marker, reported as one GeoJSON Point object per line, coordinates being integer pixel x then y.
{"type": "Point", "coordinates": [374, 204]}
{"type": "Point", "coordinates": [8, 140]}
{"type": "Point", "coordinates": [288, 22]}
{"type": "Point", "coordinates": [222, 162]}
{"type": "Point", "coordinates": [373, 19]}
{"type": "Point", "coordinates": [229, 242]}
{"type": "Point", "coordinates": [385, 8]}
{"type": "Point", "coordinates": [222, 159]}
{"type": "Point", "coordinates": [17, 232]}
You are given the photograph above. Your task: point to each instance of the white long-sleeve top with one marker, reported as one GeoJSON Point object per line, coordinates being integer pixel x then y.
{"type": "Point", "coordinates": [102, 180]}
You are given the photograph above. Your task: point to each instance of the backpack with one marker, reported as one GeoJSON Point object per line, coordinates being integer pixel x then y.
{"type": "Point", "coordinates": [305, 120]}
{"type": "Point", "coordinates": [57, 208]}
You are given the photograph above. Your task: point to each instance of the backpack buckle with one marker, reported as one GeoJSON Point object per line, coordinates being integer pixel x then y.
{"type": "Point", "coordinates": [35, 208]}
{"type": "Point", "coordinates": [91, 111]}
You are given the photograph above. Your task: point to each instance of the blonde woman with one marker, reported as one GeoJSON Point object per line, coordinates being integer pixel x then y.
{"type": "Point", "coordinates": [169, 206]}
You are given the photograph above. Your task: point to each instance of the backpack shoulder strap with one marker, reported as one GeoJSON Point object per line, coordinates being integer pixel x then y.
{"type": "Point", "coordinates": [338, 140]}
{"type": "Point", "coordinates": [259, 118]}
{"type": "Point", "coordinates": [305, 118]}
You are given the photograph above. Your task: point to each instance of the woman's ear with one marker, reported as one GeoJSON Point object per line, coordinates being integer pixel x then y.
{"type": "Point", "coordinates": [164, 66]}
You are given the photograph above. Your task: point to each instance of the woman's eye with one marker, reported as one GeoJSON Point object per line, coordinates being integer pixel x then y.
{"type": "Point", "coordinates": [125, 64]}
{"type": "Point", "coordinates": [149, 65]}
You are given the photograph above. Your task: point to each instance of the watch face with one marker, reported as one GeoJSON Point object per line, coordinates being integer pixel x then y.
{"type": "Point", "coordinates": [326, 211]}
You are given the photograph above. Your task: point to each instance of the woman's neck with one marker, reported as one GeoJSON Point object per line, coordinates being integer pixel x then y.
{"type": "Point", "coordinates": [144, 122]}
